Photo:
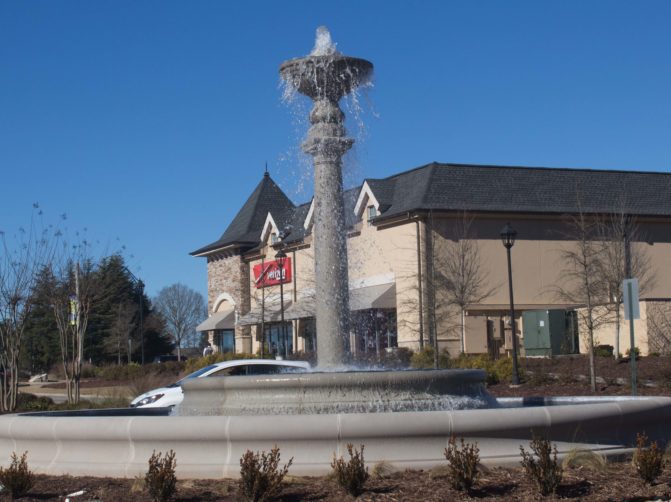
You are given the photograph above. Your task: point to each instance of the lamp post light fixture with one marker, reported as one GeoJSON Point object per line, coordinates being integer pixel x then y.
{"type": "Point", "coordinates": [281, 258]}
{"type": "Point", "coordinates": [508, 235]}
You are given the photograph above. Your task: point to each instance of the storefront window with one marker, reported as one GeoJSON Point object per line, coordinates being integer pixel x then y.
{"type": "Point", "coordinates": [225, 340]}
{"type": "Point", "coordinates": [375, 330]}
{"type": "Point", "coordinates": [310, 335]}
{"type": "Point", "coordinates": [275, 338]}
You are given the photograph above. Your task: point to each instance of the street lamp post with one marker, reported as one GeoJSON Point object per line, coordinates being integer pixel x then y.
{"type": "Point", "coordinates": [508, 235]}
{"type": "Point", "coordinates": [281, 258]}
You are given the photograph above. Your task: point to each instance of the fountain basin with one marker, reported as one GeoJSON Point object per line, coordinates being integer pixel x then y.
{"type": "Point", "coordinates": [332, 75]}
{"type": "Point", "coordinates": [336, 392]}
{"type": "Point", "coordinates": [211, 446]}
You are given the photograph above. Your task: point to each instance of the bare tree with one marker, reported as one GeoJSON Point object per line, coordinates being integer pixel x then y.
{"type": "Point", "coordinates": [22, 258]}
{"type": "Point", "coordinates": [619, 261]}
{"type": "Point", "coordinates": [659, 327]}
{"type": "Point", "coordinates": [182, 309]}
{"type": "Point", "coordinates": [583, 282]}
{"type": "Point", "coordinates": [74, 293]}
{"type": "Point", "coordinates": [460, 274]}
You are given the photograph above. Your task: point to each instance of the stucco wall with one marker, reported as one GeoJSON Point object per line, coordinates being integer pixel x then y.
{"type": "Point", "coordinates": [389, 254]}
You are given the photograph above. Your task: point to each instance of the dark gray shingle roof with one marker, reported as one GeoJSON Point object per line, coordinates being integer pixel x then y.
{"type": "Point", "coordinates": [459, 187]}
{"type": "Point", "coordinates": [525, 190]}
{"type": "Point", "coordinates": [246, 227]}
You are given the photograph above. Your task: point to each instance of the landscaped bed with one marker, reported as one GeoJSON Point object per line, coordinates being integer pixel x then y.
{"type": "Point", "coordinates": [586, 480]}
{"type": "Point", "coordinates": [615, 482]}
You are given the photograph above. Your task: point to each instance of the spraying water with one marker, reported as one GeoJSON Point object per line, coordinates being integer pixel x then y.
{"type": "Point", "coordinates": [325, 76]}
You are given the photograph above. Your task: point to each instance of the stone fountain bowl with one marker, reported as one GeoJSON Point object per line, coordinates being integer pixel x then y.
{"type": "Point", "coordinates": [337, 392]}
{"type": "Point", "coordinates": [330, 76]}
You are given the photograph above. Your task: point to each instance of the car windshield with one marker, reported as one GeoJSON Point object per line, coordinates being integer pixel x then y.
{"type": "Point", "coordinates": [195, 374]}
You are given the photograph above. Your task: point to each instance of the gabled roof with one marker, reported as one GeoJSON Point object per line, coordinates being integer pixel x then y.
{"type": "Point", "coordinates": [458, 187]}
{"type": "Point", "coordinates": [464, 187]}
{"type": "Point", "coordinates": [245, 229]}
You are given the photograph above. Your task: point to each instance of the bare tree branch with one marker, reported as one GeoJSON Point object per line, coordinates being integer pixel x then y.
{"type": "Point", "coordinates": [182, 309]}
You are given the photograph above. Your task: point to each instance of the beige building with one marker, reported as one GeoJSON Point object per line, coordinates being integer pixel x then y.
{"type": "Point", "coordinates": [410, 235]}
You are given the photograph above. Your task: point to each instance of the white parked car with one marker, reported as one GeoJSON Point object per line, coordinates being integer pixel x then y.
{"type": "Point", "coordinates": [172, 394]}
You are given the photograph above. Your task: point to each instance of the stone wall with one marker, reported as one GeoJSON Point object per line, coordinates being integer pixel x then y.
{"type": "Point", "coordinates": [230, 275]}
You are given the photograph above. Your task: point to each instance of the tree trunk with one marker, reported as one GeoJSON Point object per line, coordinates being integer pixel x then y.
{"type": "Point", "coordinates": [463, 329]}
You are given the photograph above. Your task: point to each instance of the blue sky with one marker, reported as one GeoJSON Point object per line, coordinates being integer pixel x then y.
{"type": "Point", "coordinates": [149, 122]}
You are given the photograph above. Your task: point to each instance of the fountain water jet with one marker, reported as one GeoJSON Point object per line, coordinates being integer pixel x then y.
{"type": "Point", "coordinates": [325, 76]}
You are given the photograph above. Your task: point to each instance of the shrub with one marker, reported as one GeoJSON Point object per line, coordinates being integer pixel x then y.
{"type": "Point", "coordinates": [160, 480]}
{"type": "Point", "coordinates": [603, 351]}
{"type": "Point", "coordinates": [588, 459]}
{"type": "Point", "coordinates": [121, 372]}
{"type": "Point", "coordinates": [260, 475]}
{"type": "Point", "coordinates": [88, 371]}
{"type": "Point", "coordinates": [17, 478]}
{"type": "Point", "coordinates": [351, 474]}
{"type": "Point", "coordinates": [649, 461]}
{"type": "Point", "coordinates": [544, 470]}
{"type": "Point", "coordinates": [382, 469]}
{"type": "Point", "coordinates": [498, 370]}
{"type": "Point", "coordinates": [31, 402]}
{"type": "Point", "coordinates": [396, 358]}
{"type": "Point", "coordinates": [637, 352]}
{"type": "Point", "coordinates": [463, 463]}
{"type": "Point", "coordinates": [424, 359]}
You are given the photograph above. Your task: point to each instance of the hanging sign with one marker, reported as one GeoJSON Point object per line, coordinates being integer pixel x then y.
{"type": "Point", "coordinates": [270, 274]}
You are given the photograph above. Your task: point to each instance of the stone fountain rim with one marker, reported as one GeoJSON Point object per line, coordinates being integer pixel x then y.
{"type": "Point", "coordinates": [364, 64]}
{"type": "Point", "coordinates": [342, 379]}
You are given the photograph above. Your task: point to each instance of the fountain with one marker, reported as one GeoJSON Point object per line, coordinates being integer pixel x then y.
{"type": "Point", "coordinates": [403, 417]}
{"type": "Point", "coordinates": [325, 76]}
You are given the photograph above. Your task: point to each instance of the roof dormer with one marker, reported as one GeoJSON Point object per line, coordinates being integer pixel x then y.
{"type": "Point", "coordinates": [270, 229]}
{"type": "Point", "coordinates": [307, 224]}
{"type": "Point", "coordinates": [366, 199]}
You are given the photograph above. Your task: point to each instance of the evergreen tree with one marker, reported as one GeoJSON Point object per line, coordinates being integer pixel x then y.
{"type": "Point", "coordinates": [41, 351]}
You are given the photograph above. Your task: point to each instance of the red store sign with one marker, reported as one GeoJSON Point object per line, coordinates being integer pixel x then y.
{"type": "Point", "coordinates": [268, 273]}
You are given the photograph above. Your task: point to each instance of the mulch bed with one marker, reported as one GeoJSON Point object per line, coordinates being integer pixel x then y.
{"type": "Point", "coordinates": [569, 376]}
{"type": "Point", "coordinates": [616, 482]}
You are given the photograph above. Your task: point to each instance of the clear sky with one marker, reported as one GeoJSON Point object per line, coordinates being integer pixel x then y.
{"type": "Point", "coordinates": [149, 122]}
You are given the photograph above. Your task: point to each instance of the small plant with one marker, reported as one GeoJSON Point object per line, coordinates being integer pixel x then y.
{"type": "Point", "coordinates": [585, 459]}
{"type": "Point", "coordinates": [260, 475]}
{"type": "Point", "coordinates": [351, 474]}
{"type": "Point", "coordinates": [382, 469]}
{"type": "Point", "coordinates": [648, 460]}
{"type": "Point", "coordinates": [17, 478]}
{"type": "Point", "coordinates": [543, 470]}
{"type": "Point", "coordinates": [424, 359]}
{"type": "Point", "coordinates": [160, 480]}
{"type": "Point", "coordinates": [603, 351]}
{"type": "Point", "coordinates": [463, 460]}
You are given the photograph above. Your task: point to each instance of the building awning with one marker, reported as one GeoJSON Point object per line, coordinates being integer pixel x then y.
{"type": "Point", "coordinates": [382, 296]}
{"type": "Point", "coordinates": [272, 313]}
{"type": "Point", "coordinates": [301, 309]}
{"type": "Point", "coordinates": [219, 320]}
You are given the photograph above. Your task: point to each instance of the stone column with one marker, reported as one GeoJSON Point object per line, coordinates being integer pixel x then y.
{"type": "Point", "coordinates": [327, 142]}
